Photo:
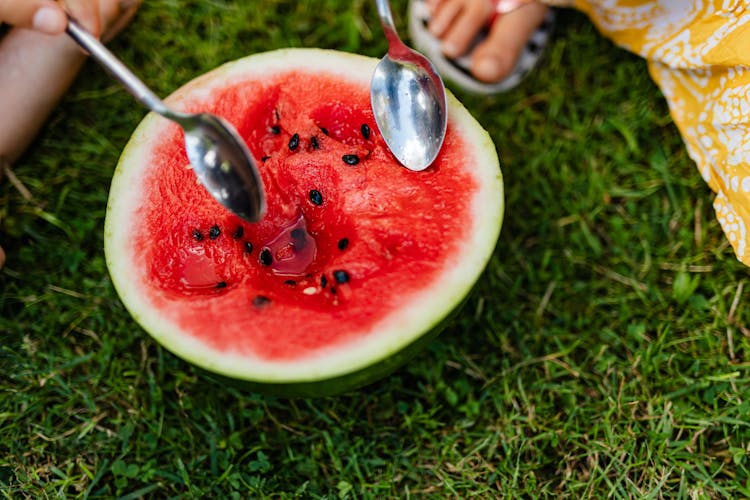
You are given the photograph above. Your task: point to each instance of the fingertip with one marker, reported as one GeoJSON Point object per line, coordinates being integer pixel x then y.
{"type": "Point", "coordinates": [49, 20]}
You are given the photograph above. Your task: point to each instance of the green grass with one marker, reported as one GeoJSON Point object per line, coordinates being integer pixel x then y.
{"type": "Point", "coordinates": [603, 354]}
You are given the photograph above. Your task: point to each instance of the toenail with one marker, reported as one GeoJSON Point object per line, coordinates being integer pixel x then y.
{"type": "Point", "coordinates": [486, 68]}
{"type": "Point", "coordinates": [449, 49]}
{"type": "Point", "coordinates": [435, 28]}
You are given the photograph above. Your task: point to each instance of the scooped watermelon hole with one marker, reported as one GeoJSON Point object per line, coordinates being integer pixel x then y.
{"type": "Point", "coordinates": [292, 250]}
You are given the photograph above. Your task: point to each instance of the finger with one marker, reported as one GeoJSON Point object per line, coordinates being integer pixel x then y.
{"type": "Point", "coordinates": [463, 28]}
{"type": "Point", "coordinates": [496, 56]}
{"type": "Point", "coordinates": [45, 16]}
{"type": "Point", "coordinates": [87, 13]}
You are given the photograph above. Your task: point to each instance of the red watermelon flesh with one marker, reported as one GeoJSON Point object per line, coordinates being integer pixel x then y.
{"type": "Point", "coordinates": [349, 236]}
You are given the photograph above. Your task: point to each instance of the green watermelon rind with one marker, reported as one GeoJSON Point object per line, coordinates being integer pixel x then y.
{"type": "Point", "coordinates": [342, 367]}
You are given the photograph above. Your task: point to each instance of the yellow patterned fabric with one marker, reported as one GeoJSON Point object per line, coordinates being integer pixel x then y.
{"type": "Point", "coordinates": [698, 53]}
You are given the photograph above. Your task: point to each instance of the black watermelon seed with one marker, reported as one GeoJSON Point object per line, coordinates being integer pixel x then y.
{"type": "Point", "coordinates": [221, 284]}
{"type": "Point", "coordinates": [341, 276]}
{"type": "Point", "coordinates": [197, 235]}
{"type": "Point", "coordinates": [315, 197]}
{"type": "Point", "coordinates": [314, 142]}
{"type": "Point", "coordinates": [323, 281]}
{"type": "Point", "coordinates": [237, 234]}
{"type": "Point", "coordinates": [248, 247]}
{"type": "Point", "coordinates": [365, 129]}
{"type": "Point", "coordinates": [333, 290]}
{"type": "Point", "coordinates": [343, 243]}
{"type": "Point", "coordinates": [294, 142]}
{"type": "Point", "coordinates": [265, 158]}
{"type": "Point", "coordinates": [275, 129]}
{"type": "Point", "coordinates": [290, 282]}
{"type": "Point", "coordinates": [350, 159]}
{"type": "Point", "coordinates": [214, 232]}
{"type": "Point", "coordinates": [261, 300]}
{"type": "Point", "coordinates": [324, 130]}
{"type": "Point", "coordinates": [265, 257]}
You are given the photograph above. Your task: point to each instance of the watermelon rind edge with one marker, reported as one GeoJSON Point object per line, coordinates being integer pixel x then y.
{"type": "Point", "coordinates": [334, 372]}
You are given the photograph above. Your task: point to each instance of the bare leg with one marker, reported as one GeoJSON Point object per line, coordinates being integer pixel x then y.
{"type": "Point", "coordinates": [36, 71]}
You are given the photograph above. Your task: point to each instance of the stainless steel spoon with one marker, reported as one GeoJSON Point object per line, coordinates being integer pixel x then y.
{"type": "Point", "coordinates": [218, 155]}
{"type": "Point", "coordinates": [408, 99]}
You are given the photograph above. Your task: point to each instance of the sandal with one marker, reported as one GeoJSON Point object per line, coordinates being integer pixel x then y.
{"type": "Point", "coordinates": [458, 70]}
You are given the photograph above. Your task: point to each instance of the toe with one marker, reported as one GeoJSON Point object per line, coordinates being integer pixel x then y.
{"type": "Point", "coordinates": [492, 67]}
{"type": "Point", "coordinates": [457, 24]}
{"type": "Point", "coordinates": [495, 58]}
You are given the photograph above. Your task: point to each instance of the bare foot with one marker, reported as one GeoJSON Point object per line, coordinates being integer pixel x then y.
{"type": "Point", "coordinates": [456, 23]}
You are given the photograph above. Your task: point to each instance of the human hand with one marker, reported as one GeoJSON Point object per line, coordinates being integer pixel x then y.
{"type": "Point", "coordinates": [48, 16]}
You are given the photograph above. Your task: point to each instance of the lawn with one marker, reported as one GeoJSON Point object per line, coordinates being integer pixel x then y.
{"type": "Point", "coordinates": [604, 352]}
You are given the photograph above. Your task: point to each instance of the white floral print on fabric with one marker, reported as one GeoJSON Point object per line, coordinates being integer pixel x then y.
{"type": "Point", "coordinates": [698, 53]}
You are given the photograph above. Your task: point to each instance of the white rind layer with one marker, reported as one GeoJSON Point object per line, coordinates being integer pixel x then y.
{"type": "Point", "coordinates": [423, 312]}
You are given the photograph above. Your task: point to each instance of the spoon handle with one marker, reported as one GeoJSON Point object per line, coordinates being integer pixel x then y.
{"type": "Point", "coordinates": [386, 20]}
{"type": "Point", "coordinates": [119, 71]}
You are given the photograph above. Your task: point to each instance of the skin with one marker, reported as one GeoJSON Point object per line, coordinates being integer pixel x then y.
{"type": "Point", "coordinates": [38, 62]}
{"type": "Point", "coordinates": [456, 22]}
{"type": "Point", "coordinates": [37, 67]}
{"type": "Point", "coordinates": [45, 16]}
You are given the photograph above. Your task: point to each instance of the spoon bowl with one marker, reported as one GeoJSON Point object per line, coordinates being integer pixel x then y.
{"type": "Point", "coordinates": [224, 164]}
{"type": "Point", "coordinates": [218, 155]}
{"type": "Point", "coordinates": [408, 100]}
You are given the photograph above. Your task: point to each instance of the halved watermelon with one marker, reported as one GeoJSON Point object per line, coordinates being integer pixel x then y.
{"type": "Point", "coordinates": [358, 259]}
